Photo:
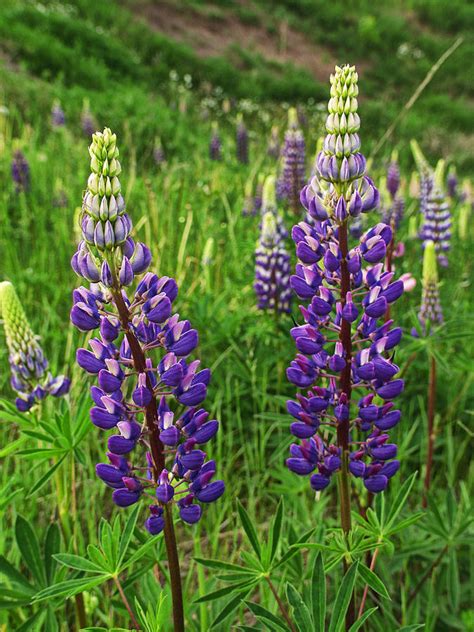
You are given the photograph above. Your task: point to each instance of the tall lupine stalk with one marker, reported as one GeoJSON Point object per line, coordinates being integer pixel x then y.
{"type": "Point", "coordinates": [58, 118]}
{"type": "Point", "coordinates": [430, 316]}
{"type": "Point", "coordinates": [342, 348]}
{"type": "Point", "coordinates": [215, 144]}
{"type": "Point", "coordinates": [20, 172]}
{"type": "Point", "coordinates": [272, 261]}
{"type": "Point", "coordinates": [242, 141]}
{"type": "Point", "coordinates": [162, 415]}
{"type": "Point", "coordinates": [434, 205]}
{"type": "Point", "coordinates": [30, 377]}
{"type": "Point", "coordinates": [273, 147]}
{"type": "Point", "coordinates": [293, 156]}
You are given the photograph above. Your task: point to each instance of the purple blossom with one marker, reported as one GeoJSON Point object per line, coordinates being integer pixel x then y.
{"type": "Point", "coordinates": [139, 338]}
{"type": "Point", "coordinates": [20, 172]}
{"type": "Point", "coordinates": [215, 144]}
{"type": "Point", "coordinates": [293, 174]}
{"type": "Point", "coordinates": [242, 141]}
{"type": "Point", "coordinates": [344, 362]}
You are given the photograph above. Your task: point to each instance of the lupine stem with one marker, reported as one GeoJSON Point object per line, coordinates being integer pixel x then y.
{"type": "Point", "coordinates": [126, 604]}
{"type": "Point", "coordinates": [431, 428]}
{"type": "Point", "coordinates": [346, 387]}
{"type": "Point", "coordinates": [281, 606]}
{"type": "Point", "coordinates": [157, 451]}
{"type": "Point", "coordinates": [366, 589]}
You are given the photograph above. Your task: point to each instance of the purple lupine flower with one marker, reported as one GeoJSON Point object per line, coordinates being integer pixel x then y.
{"type": "Point", "coordinates": [273, 147]}
{"type": "Point", "coordinates": [452, 183]}
{"type": "Point", "coordinates": [242, 141]}
{"type": "Point", "coordinates": [20, 172]}
{"type": "Point", "coordinates": [215, 144]}
{"type": "Point", "coordinates": [437, 218]}
{"type": "Point", "coordinates": [431, 312]}
{"type": "Point", "coordinates": [293, 175]}
{"type": "Point", "coordinates": [30, 376]}
{"type": "Point", "coordinates": [345, 292]}
{"type": "Point", "coordinates": [88, 123]}
{"type": "Point", "coordinates": [394, 213]}
{"type": "Point", "coordinates": [58, 118]}
{"type": "Point", "coordinates": [158, 153]}
{"type": "Point", "coordinates": [272, 261]}
{"type": "Point", "coordinates": [163, 412]}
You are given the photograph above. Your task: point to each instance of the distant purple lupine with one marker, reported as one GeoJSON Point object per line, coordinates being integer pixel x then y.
{"type": "Point", "coordinates": [272, 261]}
{"type": "Point", "coordinates": [159, 155]}
{"type": "Point", "coordinates": [163, 414]}
{"type": "Point", "coordinates": [20, 172]}
{"type": "Point", "coordinates": [293, 174]}
{"type": "Point", "coordinates": [88, 122]}
{"type": "Point", "coordinates": [58, 118]}
{"type": "Point", "coordinates": [394, 213]}
{"type": "Point", "coordinates": [215, 144]}
{"type": "Point", "coordinates": [344, 300]}
{"type": "Point", "coordinates": [273, 148]}
{"type": "Point", "coordinates": [242, 141]}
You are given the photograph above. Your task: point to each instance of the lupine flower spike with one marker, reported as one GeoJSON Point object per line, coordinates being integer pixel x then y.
{"type": "Point", "coordinates": [30, 376]}
{"type": "Point", "coordinates": [292, 177]}
{"type": "Point", "coordinates": [158, 152]}
{"type": "Point", "coordinates": [155, 454]}
{"type": "Point", "coordinates": [88, 123]}
{"type": "Point", "coordinates": [215, 144]}
{"type": "Point", "coordinates": [58, 118]}
{"type": "Point", "coordinates": [437, 219]}
{"type": "Point", "coordinates": [273, 149]}
{"type": "Point", "coordinates": [20, 172]}
{"type": "Point", "coordinates": [344, 362]}
{"type": "Point", "coordinates": [242, 141]}
{"type": "Point", "coordinates": [452, 184]}
{"type": "Point", "coordinates": [430, 317]}
{"type": "Point", "coordinates": [272, 261]}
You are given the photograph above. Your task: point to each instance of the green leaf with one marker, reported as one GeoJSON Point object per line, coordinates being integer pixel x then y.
{"type": "Point", "coordinates": [15, 576]}
{"type": "Point", "coordinates": [275, 532]}
{"type": "Point", "coordinates": [78, 563]}
{"type": "Point", "coordinates": [453, 580]}
{"type": "Point", "coordinates": [140, 552]}
{"type": "Point", "coordinates": [373, 581]}
{"type": "Point", "coordinates": [400, 500]}
{"type": "Point", "coordinates": [231, 605]}
{"type": "Point", "coordinates": [34, 623]}
{"type": "Point", "coordinates": [360, 622]}
{"type": "Point", "coordinates": [70, 587]}
{"type": "Point", "coordinates": [265, 615]}
{"type": "Point", "coordinates": [294, 548]}
{"type": "Point", "coordinates": [343, 598]}
{"type": "Point", "coordinates": [45, 478]}
{"type": "Point", "coordinates": [52, 543]}
{"type": "Point", "coordinates": [222, 592]}
{"type": "Point", "coordinates": [30, 550]}
{"type": "Point", "coordinates": [249, 529]}
{"type": "Point", "coordinates": [411, 628]}
{"type": "Point", "coordinates": [107, 544]}
{"type": "Point", "coordinates": [300, 611]}
{"type": "Point", "coordinates": [127, 533]}
{"type": "Point", "coordinates": [226, 566]}
{"type": "Point", "coordinates": [318, 594]}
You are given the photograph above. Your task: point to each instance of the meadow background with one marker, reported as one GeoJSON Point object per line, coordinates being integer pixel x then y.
{"type": "Point", "coordinates": [167, 70]}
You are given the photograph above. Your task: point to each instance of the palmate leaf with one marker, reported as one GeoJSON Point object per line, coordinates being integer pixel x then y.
{"type": "Point", "coordinates": [318, 594]}
{"type": "Point", "coordinates": [249, 529]}
{"type": "Point", "coordinates": [225, 566]}
{"type": "Point", "coordinates": [140, 552]}
{"type": "Point", "coordinates": [294, 549]}
{"type": "Point", "coordinates": [301, 613]}
{"type": "Point", "coordinates": [29, 549]}
{"type": "Point", "coordinates": [343, 598]}
{"type": "Point", "coordinates": [265, 616]}
{"type": "Point", "coordinates": [78, 563]}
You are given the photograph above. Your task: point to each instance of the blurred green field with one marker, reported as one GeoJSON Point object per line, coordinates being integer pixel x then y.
{"type": "Point", "coordinates": [188, 210]}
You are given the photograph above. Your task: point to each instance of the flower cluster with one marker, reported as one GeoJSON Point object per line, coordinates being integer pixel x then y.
{"type": "Point", "coordinates": [342, 347]}
{"type": "Point", "coordinates": [30, 377]}
{"type": "Point", "coordinates": [215, 144]}
{"type": "Point", "coordinates": [242, 141]}
{"type": "Point", "coordinates": [273, 147]}
{"type": "Point", "coordinates": [272, 261]}
{"type": "Point", "coordinates": [58, 118]}
{"type": "Point", "coordinates": [20, 172]}
{"type": "Point", "coordinates": [431, 312]}
{"type": "Point", "coordinates": [293, 174]}
{"type": "Point", "coordinates": [437, 218]}
{"type": "Point", "coordinates": [150, 402]}
{"type": "Point", "coordinates": [394, 213]}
